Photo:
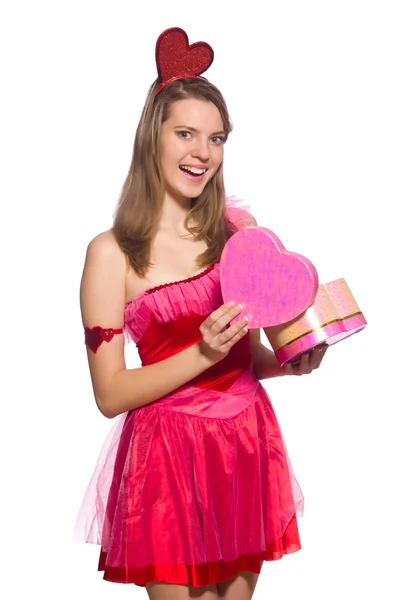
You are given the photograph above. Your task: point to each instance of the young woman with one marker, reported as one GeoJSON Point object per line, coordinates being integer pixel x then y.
{"type": "Point", "coordinates": [193, 489]}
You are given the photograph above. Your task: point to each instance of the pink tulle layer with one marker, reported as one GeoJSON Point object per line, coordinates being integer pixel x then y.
{"type": "Point", "coordinates": [217, 472]}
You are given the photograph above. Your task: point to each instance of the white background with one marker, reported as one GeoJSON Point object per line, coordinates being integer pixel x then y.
{"type": "Point", "coordinates": [311, 88]}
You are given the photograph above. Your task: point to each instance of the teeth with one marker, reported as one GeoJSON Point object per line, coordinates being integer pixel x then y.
{"type": "Point", "coordinates": [193, 170]}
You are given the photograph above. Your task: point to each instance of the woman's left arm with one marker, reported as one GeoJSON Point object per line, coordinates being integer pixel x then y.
{"type": "Point", "coordinates": [264, 360]}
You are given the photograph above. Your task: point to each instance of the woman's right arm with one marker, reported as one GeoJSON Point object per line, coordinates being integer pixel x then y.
{"type": "Point", "coordinates": [102, 300]}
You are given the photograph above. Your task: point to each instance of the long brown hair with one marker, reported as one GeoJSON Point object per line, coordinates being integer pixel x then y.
{"type": "Point", "coordinates": [140, 204]}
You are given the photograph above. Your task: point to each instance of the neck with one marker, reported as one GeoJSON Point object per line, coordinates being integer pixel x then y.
{"type": "Point", "coordinates": [174, 212]}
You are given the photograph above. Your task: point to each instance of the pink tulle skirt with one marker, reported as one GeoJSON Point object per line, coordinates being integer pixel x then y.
{"type": "Point", "coordinates": [192, 489]}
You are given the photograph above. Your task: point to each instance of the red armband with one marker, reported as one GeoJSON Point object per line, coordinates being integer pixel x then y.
{"type": "Point", "coordinates": [95, 336]}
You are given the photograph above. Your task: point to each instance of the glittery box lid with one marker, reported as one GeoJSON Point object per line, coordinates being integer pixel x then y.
{"type": "Point", "coordinates": [274, 284]}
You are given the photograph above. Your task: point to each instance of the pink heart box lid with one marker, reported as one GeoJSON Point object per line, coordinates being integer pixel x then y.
{"type": "Point", "coordinates": [274, 284]}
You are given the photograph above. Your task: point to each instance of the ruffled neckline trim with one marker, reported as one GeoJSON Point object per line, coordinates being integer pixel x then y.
{"type": "Point", "coordinates": [178, 282]}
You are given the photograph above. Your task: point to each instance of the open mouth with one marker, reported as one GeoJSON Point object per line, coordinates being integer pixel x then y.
{"type": "Point", "coordinates": [193, 173]}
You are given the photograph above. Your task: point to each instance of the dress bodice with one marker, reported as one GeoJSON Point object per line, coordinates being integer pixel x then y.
{"type": "Point", "coordinates": [166, 319]}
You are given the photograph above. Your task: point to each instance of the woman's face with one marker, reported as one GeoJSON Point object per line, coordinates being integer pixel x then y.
{"type": "Point", "coordinates": [191, 146]}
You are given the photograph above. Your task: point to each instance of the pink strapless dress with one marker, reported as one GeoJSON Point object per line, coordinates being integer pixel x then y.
{"type": "Point", "coordinates": [196, 486]}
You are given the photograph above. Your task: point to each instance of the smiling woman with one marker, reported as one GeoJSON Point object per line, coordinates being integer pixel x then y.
{"type": "Point", "coordinates": [194, 488]}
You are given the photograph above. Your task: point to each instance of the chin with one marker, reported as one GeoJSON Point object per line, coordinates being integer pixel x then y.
{"type": "Point", "coordinates": [187, 191]}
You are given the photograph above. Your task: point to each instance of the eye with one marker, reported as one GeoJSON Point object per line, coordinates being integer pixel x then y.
{"type": "Point", "coordinates": [183, 134]}
{"type": "Point", "coordinates": [218, 139]}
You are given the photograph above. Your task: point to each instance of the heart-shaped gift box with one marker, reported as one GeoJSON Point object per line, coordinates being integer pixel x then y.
{"type": "Point", "coordinates": [333, 316]}
{"type": "Point", "coordinates": [281, 294]}
{"type": "Point", "coordinates": [274, 284]}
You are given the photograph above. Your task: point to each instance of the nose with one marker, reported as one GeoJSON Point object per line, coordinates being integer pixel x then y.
{"type": "Point", "coordinates": [201, 149]}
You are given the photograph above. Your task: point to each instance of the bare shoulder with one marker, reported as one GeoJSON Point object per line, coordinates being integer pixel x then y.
{"type": "Point", "coordinates": [103, 279]}
{"type": "Point", "coordinates": [105, 247]}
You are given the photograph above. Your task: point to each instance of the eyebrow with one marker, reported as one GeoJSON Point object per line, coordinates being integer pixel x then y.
{"type": "Point", "coordinates": [196, 130]}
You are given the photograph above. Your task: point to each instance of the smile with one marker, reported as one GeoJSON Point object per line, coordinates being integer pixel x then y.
{"type": "Point", "coordinates": [193, 173]}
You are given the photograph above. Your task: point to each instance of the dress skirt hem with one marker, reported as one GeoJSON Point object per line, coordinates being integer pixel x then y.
{"type": "Point", "coordinates": [205, 574]}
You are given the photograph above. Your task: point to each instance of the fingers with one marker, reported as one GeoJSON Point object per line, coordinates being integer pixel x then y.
{"type": "Point", "coordinates": [316, 356]}
{"type": "Point", "coordinates": [307, 362]}
{"type": "Point", "coordinates": [288, 369]}
{"type": "Point", "coordinates": [222, 316]}
{"type": "Point", "coordinates": [219, 328]}
{"type": "Point", "coordinates": [304, 365]}
{"type": "Point", "coordinates": [234, 332]}
{"type": "Point", "coordinates": [214, 329]}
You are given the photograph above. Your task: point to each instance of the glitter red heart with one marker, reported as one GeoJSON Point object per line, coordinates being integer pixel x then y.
{"type": "Point", "coordinates": [95, 336]}
{"type": "Point", "coordinates": [176, 59]}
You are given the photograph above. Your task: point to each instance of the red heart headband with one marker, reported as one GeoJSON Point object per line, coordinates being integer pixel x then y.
{"type": "Point", "coordinates": [176, 59]}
